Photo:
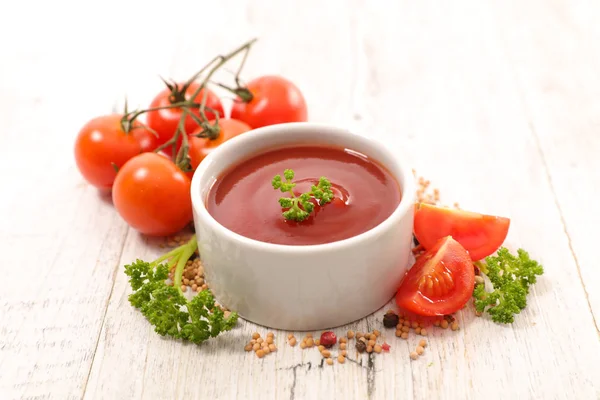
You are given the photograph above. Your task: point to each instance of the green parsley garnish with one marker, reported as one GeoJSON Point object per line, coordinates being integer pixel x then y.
{"type": "Point", "coordinates": [511, 277]}
{"type": "Point", "coordinates": [322, 192]}
{"type": "Point", "coordinates": [165, 307]}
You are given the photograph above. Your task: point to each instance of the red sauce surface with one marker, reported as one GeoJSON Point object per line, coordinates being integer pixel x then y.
{"type": "Point", "coordinates": [244, 201]}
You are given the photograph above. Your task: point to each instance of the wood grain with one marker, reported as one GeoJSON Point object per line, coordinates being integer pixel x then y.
{"type": "Point", "coordinates": [496, 102]}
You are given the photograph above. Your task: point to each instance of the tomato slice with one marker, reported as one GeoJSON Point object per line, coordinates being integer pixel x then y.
{"type": "Point", "coordinates": [479, 234]}
{"type": "Point", "coordinates": [440, 282]}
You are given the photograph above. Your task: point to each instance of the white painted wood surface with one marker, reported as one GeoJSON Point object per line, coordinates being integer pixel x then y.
{"type": "Point", "coordinates": [498, 103]}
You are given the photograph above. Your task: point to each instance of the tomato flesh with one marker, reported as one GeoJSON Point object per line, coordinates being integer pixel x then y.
{"type": "Point", "coordinates": [153, 195]}
{"type": "Point", "coordinates": [440, 282]}
{"type": "Point", "coordinates": [275, 101]}
{"type": "Point", "coordinates": [479, 234]}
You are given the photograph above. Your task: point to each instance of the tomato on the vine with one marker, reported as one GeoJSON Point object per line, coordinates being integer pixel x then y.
{"type": "Point", "coordinates": [275, 100]}
{"type": "Point", "coordinates": [165, 121]}
{"type": "Point", "coordinates": [152, 195]}
{"type": "Point", "coordinates": [201, 147]}
{"type": "Point", "coordinates": [479, 234]}
{"type": "Point", "coordinates": [102, 145]}
{"type": "Point", "coordinates": [440, 282]}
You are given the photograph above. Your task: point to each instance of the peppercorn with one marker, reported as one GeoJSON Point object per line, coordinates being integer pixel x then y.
{"type": "Point", "coordinates": [328, 339]}
{"type": "Point", "coordinates": [390, 319]}
{"type": "Point", "coordinates": [361, 346]}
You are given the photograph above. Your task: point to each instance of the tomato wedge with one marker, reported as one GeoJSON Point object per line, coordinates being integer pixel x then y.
{"type": "Point", "coordinates": [479, 234]}
{"type": "Point", "coordinates": [440, 282]}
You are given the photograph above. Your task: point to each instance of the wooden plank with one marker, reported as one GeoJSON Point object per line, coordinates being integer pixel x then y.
{"type": "Point", "coordinates": [561, 95]}
{"type": "Point", "coordinates": [447, 101]}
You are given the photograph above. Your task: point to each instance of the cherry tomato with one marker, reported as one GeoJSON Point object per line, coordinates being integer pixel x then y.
{"type": "Point", "coordinates": [102, 142]}
{"type": "Point", "coordinates": [201, 147]}
{"type": "Point", "coordinates": [479, 234]}
{"type": "Point", "coordinates": [276, 100]}
{"type": "Point", "coordinates": [440, 282]}
{"type": "Point", "coordinates": [165, 121]}
{"type": "Point", "coordinates": [153, 195]}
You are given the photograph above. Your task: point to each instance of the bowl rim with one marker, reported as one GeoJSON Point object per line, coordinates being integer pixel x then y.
{"type": "Point", "coordinates": [406, 182]}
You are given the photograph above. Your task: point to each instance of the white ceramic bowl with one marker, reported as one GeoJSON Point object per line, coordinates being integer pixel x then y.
{"type": "Point", "coordinates": [280, 286]}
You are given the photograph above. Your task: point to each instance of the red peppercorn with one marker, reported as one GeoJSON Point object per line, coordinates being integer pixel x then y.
{"type": "Point", "coordinates": [328, 339]}
{"type": "Point", "coordinates": [385, 347]}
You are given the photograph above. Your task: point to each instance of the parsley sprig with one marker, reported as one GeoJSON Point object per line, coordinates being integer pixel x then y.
{"type": "Point", "coordinates": [511, 277]}
{"type": "Point", "coordinates": [165, 307]}
{"type": "Point", "coordinates": [322, 192]}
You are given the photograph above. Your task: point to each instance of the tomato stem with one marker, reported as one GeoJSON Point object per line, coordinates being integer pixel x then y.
{"type": "Point", "coordinates": [220, 61]}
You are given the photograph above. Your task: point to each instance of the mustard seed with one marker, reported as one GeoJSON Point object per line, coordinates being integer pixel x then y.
{"type": "Point", "coordinates": [404, 335]}
{"type": "Point", "coordinates": [269, 339]}
{"type": "Point", "coordinates": [414, 355]}
{"type": "Point", "coordinates": [401, 321]}
{"type": "Point", "coordinates": [310, 342]}
{"type": "Point", "coordinates": [405, 329]}
{"type": "Point", "coordinates": [343, 340]}
{"type": "Point", "coordinates": [290, 336]}
{"type": "Point", "coordinates": [309, 335]}
{"type": "Point", "coordinates": [350, 334]}
{"type": "Point", "coordinates": [265, 350]}
{"type": "Point", "coordinates": [272, 347]}
{"type": "Point", "coordinates": [371, 343]}
{"type": "Point", "coordinates": [414, 325]}
{"type": "Point", "coordinates": [317, 342]}
{"type": "Point", "coordinates": [260, 353]}
{"type": "Point", "coordinates": [377, 349]}
{"type": "Point", "coordinates": [303, 345]}
{"type": "Point", "coordinates": [423, 343]}
{"type": "Point", "coordinates": [418, 331]}
{"type": "Point", "coordinates": [369, 349]}
{"type": "Point", "coordinates": [376, 333]}
{"type": "Point", "coordinates": [454, 326]}
{"type": "Point", "coordinates": [326, 353]}
{"type": "Point", "coordinates": [341, 359]}
{"type": "Point", "coordinates": [255, 335]}
{"type": "Point", "coordinates": [329, 361]}
{"type": "Point", "coordinates": [260, 340]}
{"type": "Point", "coordinates": [256, 347]}
{"type": "Point", "coordinates": [423, 331]}
{"type": "Point", "coordinates": [372, 336]}
{"type": "Point", "coordinates": [248, 347]}
{"type": "Point", "coordinates": [407, 323]}
{"type": "Point", "coordinates": [444, 324]}
{"type": "Point", "coordinates": [292, 341]}
{"type": "Point", "coordinates": [359, 335]}
{"type": "Point", "coordinates": [343, 346]}
{"type": "Point", "coordinates": [420, 350]}
{"type": "Point", "coordinates": [398, 333]}
{"type": "Point", "coordinates": [344, 353]}
{"type": "Point", "coordinates": [270, 334]}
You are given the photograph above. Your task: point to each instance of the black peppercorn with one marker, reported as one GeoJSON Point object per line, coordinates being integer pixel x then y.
{"type": "Point", "coordinates": [361, 346]}
{"type": "Point", "coordinates": [390, 319]}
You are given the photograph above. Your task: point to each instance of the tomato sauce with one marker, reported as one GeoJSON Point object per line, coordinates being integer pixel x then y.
{"type": "Point", "coordinates": [244, 201]}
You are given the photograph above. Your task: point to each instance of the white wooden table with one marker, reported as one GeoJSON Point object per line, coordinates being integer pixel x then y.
{"type": "Point", "coordinates": [498, 103]}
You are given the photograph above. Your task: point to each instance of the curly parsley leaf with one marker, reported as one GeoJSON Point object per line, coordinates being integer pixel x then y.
{"type": "Point", "coordinates": [511, 276]}
{"type": "Point", "coordinates": [300, 207]}
{"type": "Point", "coordinates": [166, 308]}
